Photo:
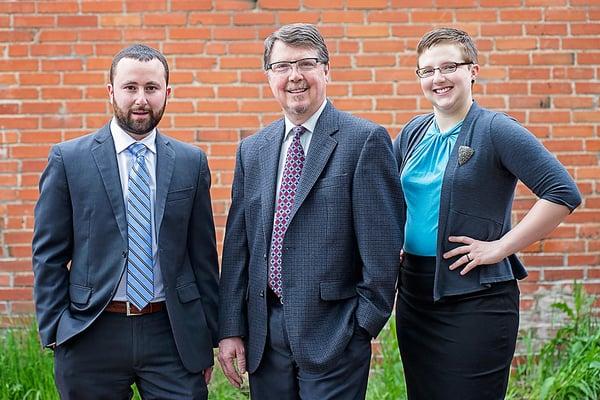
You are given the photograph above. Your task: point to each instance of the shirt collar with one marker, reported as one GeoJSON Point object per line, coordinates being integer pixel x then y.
{"type": "Point", "coordinates": [123, 140]}
{"type": "Point", "coordinates": [309, 124]}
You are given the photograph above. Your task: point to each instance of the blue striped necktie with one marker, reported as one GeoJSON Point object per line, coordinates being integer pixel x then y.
{"type": "Point", "coordinates": [140, 277]}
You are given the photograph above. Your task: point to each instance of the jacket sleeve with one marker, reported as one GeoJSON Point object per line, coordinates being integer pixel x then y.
{"type": "Point", "coordinates": [234, 269]}
{"type": "Point", "coordinates": [203, 249]}
{"type": "Point", "coordinates": [52, 247]}
{"type": "Point", "coordinates": [397, 149]}
{"type": "Point", "coordinates": [376, 200]}
{"type": "Point", "coordinates": [526, 158]}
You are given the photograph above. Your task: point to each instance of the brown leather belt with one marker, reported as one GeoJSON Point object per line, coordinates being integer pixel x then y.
{"type": "Point", "coordinates": [125, 307]}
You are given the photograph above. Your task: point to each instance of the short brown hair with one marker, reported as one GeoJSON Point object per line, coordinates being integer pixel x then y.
{"type": "Point", "coordinates": [139, 52]}
{"type": "Point", "coordinates": [449, 36]}
{"type": "Point", "coordinates": [297, 35]}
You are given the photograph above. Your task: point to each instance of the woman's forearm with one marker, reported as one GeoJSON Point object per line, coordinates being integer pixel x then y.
{"type": "Point", "coordinates": [541, 219]}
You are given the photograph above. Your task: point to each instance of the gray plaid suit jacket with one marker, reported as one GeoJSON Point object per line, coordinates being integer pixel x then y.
{"type": "Point", "coordinates": [341, 249]}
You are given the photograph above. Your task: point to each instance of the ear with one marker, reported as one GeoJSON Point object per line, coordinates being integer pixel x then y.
{"type": "Point", "coordinates": [111, 91]}
{"type": "Point", "coordinates": [168, 91]}
{"type": "Point", "coordinates": [474, 72]}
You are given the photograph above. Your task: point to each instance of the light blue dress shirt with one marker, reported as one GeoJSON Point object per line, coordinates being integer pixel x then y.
{"type": "Point", "coordinates": [422, 179]}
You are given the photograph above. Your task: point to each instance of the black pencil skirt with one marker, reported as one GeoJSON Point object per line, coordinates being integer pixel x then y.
{"type": "Point", "coordinates": [460, 347]}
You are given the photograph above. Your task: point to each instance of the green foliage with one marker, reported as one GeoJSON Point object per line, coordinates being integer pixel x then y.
{"type": "Point", "coordinates": [568, 366]}
{"type": "Point", "coordinates": [221, 389]}
{"type": "Point", "coordinates": [26, 369]}
{"type": "Point", "coordinates": [387, 378]}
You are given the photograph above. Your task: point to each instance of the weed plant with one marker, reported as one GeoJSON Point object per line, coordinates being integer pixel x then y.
{"type": "Point", "coordinates": [387, 378]}
{"type": "Point", "coordinates": [26, 371]}
{"type": "Point", "coordinates": [25, 368]}
{"type": "Point", "coordinates": [568, 366]}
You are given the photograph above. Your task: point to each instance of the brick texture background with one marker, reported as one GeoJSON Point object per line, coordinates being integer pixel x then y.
{"type": "Point", "coordinates": [540, 63]}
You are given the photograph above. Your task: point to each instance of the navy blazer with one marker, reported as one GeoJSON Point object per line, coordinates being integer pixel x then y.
{"type": "Point", "coordinates": [476, 197]}
{"type": "Point", "coordinates": [80, 241]}
{"type": "Point", "coordinates": [341, 249]}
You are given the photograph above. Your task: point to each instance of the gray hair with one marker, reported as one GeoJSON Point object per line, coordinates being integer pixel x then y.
{"type": "Point", "coordinates": [139, 52]}
{"type": "Point", "coordinates": [297, 35]}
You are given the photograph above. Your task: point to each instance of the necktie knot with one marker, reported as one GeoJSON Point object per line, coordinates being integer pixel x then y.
{"type": "Point", "coordinates": [137, 149]}
{"type": "Point", "coordinates": [298, 130]}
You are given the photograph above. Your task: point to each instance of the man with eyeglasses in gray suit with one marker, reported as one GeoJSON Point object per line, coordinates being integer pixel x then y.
{"type": "Point", "coordinates": [312, 245]}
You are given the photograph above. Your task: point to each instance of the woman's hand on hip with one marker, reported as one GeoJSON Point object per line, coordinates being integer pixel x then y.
{"type": "Point", "coordinates": [474, 253]}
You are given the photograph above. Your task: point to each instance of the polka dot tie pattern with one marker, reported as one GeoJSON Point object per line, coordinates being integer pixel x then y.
{"type": "Point", "coordinates": [294, 162]}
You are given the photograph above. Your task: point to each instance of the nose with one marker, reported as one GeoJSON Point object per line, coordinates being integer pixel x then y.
{"type": "Point", "coordinates": [437, 75]}
{"type": "Point", "coordinates": [295, 74]}
{"type": "Point", "coordinates": [140, 96]}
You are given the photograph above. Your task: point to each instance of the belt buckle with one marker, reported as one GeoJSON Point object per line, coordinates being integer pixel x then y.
{"type": "Point", "coordinates": [129, 312]}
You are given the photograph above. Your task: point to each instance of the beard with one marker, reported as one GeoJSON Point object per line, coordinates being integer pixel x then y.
{"type": "Point", "coordinates": [299, 107]}
{"type": "Point", "coordinates": [141, 126]}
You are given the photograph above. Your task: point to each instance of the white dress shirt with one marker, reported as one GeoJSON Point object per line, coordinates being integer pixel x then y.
{"type": "Point", "coordinates": [125, 161]}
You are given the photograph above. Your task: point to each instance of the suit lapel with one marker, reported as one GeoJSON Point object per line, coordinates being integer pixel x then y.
{"type": "Point", "coordinates": [165, 162]}
{"type": "Point", "coordinates": [269, 163]}
{"type": "Point", "coordinates": [105, 157]}
{"type": "Point", "coordinates": [321, 147]}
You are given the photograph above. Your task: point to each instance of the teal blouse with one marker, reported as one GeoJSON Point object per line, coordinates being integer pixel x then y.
{"type": "Point", "coordinates": [421, 179]}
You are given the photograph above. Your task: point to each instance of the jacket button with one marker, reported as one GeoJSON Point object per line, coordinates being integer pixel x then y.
{"type": "Point", "coordinates": [124, 254]}
{"type": "Point", "coordinates": [261, 293]}
{"type": "Point", "coordinates": [265, 256]}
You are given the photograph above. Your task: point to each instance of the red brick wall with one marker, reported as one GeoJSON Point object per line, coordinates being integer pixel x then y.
{"type": "Point", "coordinates": [540, 62]}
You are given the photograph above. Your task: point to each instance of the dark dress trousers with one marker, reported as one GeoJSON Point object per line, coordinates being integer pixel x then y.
{"type": "Point", "coordinates": [80, 252]}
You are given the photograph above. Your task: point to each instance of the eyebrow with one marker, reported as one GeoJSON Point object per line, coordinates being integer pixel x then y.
{"type": "Point", "coordinates": [136, 83]}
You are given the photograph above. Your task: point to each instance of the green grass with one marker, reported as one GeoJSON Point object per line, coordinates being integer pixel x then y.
{"type": "Point", "coordinates": [221, 389]}
{"type": "Point", "coordinates": [26, 371]}
{"type": "Point", "coordinates": [567, 367]}
{"type": "Point", "coordinates": [387, 379]}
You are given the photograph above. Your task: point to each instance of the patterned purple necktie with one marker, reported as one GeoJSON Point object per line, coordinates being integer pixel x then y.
{"type": "Point", "coordinates": [294, 162]}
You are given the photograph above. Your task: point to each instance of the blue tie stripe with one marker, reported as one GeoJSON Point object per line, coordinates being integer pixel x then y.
{"type": "Point", "coordinates": [141, 279]}
{"type": "Point", "coordinates": [138, 233]}
{"type": "Point", "coordinates": [139, 197]}
{"type": "Point", "coordinates": [140, 276]}
{"type": "Point", "coordinates": [137, 191]}
{"type": "Point", "coordinates": [141, 253]}
{"type": "Point", "coordinates": [139, 224]}
{"type": "Point", "coordinates": [139, 265]}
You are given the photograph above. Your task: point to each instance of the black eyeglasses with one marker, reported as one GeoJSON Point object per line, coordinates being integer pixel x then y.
{"type": "Point", "coordinates": [303, 65]}
{"type": "Point", "coordinates": [446, 68]}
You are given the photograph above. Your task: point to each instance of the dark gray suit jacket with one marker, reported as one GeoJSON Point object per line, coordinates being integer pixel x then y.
{"type": "Point", "coordinates": [477, 195]}
{"type": "Point", "coordinates": [341, 249]}
{"type": "Point", "coordinates": [80, 241]}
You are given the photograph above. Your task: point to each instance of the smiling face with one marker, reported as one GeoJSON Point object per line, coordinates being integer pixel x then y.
{"type": "Point", "coordinates": [449, 94]}
{"type": "Point", "coordinates": [300, 94]}
{"type": "Point", "coordinates": [138, 95]}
